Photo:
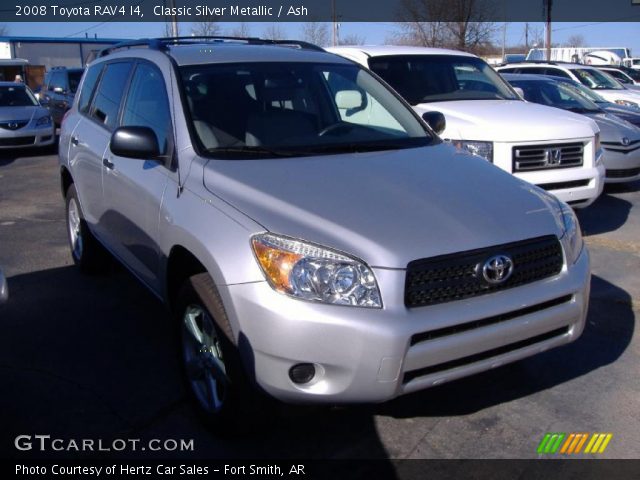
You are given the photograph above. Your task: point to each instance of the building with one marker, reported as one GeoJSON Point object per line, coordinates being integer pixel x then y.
{"type": "Point", "coordinates": [31, 57]}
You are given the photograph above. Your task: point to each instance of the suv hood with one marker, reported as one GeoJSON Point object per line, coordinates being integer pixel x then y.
{"type": "Point", "coordinates": [508, 121]}
{"type": "Point", "coordinates": [387, 208]}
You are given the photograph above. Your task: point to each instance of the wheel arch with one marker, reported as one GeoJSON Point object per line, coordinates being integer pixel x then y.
{"type": "Point", "coordinates": [66, 180]}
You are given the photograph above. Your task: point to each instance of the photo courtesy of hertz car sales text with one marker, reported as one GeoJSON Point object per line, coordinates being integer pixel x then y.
{"type": "Point", "coordinates": [314, 239]}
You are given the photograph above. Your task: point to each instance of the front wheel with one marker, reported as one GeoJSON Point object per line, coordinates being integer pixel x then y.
{"type": "Point", "coordinates": [212, 365]}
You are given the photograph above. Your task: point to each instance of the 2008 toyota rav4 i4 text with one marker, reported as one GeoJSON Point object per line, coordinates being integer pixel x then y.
{"type": "Point", "coordinates": [306, 255]}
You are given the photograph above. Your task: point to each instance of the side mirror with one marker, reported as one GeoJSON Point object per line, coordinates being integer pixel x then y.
{"type": "Point", "coordinates": [349, 100]}
{"type": "Point", "coordinates": [135, 142]}
{"type": "Point", "coordinates": [58, 90]}
{"type": "Point", "coordinates": [4, 289]}
{"type": "Point", "coordinates": [435, 120]}
{"type": "Point", "coordinates": [519, 91]}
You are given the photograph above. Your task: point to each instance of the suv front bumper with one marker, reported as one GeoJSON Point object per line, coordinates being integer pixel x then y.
{"type": "Point", "coordinates": [367, 355]}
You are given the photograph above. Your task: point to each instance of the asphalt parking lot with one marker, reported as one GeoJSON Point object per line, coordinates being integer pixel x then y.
{"type": "Point", "coordinates": [94, 357]}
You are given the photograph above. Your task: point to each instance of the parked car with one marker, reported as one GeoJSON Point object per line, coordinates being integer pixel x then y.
{"type": "Point", "coordinates": [628, 77]}
{"type": "Point", "coordinates": [559, 152]}
{"type": "Point", "coordinates": [306, 250]}
{"type": "Point", "coordinates": [4, 289]}
{"type": "Point", "coordinates": [23, 122]}
{"type": "Point", "coordinates": [620, 139]}
{"type": "Point", "coordinates": [629, 114]}
{"type": "Point", "coordinates": [607, 86]}
{"type": "Point", "coordinates": [60, 85]}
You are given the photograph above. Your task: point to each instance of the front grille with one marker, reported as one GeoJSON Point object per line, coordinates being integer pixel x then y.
{"type": "Point", "coordinates": [484, 322]}
{"type": "Point", "coordinates": [562, 185]}
{"type": "Point", "coordinates": [541, 157]}
{"type": "Point", "coordinates": [457, 276]}
{"type": "Point", "coordinates": [14, 124]}
{"type": "Point", "coordinates": [623, 173]}
{"type": "Point", "coordinates": [478, 357]}
{"type": "Point", "coordinates": [17, 141]}
{"type": "Point", "coordinates": [619, 147]}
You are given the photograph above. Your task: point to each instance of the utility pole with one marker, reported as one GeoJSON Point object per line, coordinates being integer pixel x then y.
{"type": "Point", "coordinates": [174, 19]}
{"type": "Point", "coordinates": [548, 5]}
{"type": "Point", "coordinates": [526, 37]}
{"type": "Point", "coordinates": [334, 18]}
{"type": "Point", "coordinates": [504, 38]}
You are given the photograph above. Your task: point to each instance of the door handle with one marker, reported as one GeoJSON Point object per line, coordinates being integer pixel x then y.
{"type": "Point", "coordinates": [74, 141]}
{"type": "Point", "coordinates": [107, 163]}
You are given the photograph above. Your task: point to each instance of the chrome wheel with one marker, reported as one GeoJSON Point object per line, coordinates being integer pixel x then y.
{"type": "Point", "coordinates": [203, 359]}
{"type": "Point", "coordinates": [75, 228]}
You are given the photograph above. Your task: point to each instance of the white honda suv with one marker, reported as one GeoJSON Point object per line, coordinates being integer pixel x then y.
{"type": "Point", "coordinates": [558, 151]}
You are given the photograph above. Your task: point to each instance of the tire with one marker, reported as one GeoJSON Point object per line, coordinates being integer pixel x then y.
{"type": "Point", "coordinates": [213, 370]}
{"type": "Point", "coordinates": [87, 253]}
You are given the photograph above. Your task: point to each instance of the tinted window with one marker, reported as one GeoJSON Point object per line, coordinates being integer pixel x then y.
{"type": "Point", "coordinates": [147, 104]}
{"type": "Point", "coordinates": [535, 70]}
{"type": "Point", "coordinates": [74, 80]}
{"type": "Point", "coordinates": [109, 94]}
{"type": "Point", "coordinates": [557, 73]}
{"type": "Point", "coordinates": [16, 97]}
{"type": "Point", "coordinates": [57, 80]}
{"type": "Point", "coordinates": [91, 78]}
{"type": "Point", "coordinates": [434, 78]}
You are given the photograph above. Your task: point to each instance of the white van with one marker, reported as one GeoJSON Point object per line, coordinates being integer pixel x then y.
{"type": "Point", "coordinates": [557, 150]}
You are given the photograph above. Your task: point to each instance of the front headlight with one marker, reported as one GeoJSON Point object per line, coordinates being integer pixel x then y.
{"type": "Point", "coordinates": [311, 272]}
{"type": "Point", "coordinates": [482, 149]}
{"type": "Point", "coordinates": [572, 238]}
{"type": "Point", "coordinates": [627, 103]}
{"type": "Point", "coordinates": [42, 121]}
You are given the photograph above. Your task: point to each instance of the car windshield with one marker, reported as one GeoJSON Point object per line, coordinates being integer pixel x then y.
{"type": "Point", "coordinates": [435, 78]}
{"type": "Point", "coordinates": [293, 109]}
{"type": "Point", "coordinates": [582, 90]}
{"type": "Point", "coordinates": [554, 94]}
{"type": "Point", "coordinates": [596, 79]}
{"type": "Point", "coordinates": [74, 80]}
{"type": "Point", "coordinates": [16, 96]}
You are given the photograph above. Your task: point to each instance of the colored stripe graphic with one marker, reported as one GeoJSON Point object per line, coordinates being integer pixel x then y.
{"type": "Point", "coordinates": [572, 443]}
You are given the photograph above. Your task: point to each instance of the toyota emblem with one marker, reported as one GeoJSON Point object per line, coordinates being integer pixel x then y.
{"type": "Point", "coordinates": [497, 269]}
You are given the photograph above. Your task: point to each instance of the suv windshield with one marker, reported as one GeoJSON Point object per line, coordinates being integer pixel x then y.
{"type": "Point", "coordinates": [291, 109]}
{"type": "Point", "coordinates": [74, 79]}
{"type": "Point", "coordinates": [434, 78]}
{"type": "Point", "coordinates": [554, 94]}
{"type": "Point", "coordinates": [16, 96]}
{"type": "Point", "coordinates": [595, 79]}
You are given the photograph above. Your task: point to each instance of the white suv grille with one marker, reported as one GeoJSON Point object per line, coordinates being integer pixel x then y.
{"type": "Point", "coordinates": [542, 157]}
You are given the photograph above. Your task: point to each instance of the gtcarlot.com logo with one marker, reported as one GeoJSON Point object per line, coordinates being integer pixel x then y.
{"type": "Point", "coordinates": [574, 443]}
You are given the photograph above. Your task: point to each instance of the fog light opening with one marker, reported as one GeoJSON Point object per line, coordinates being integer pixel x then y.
{"type": "Point", "coordinates": [302, 373]}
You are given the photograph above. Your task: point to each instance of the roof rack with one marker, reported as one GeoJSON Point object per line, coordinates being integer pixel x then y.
{"type": "Point", "coordinates": [162, 44]}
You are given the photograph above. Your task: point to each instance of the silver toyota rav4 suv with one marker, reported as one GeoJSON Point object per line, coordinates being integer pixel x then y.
{"type": "Point", "coordinates": [307, 251]}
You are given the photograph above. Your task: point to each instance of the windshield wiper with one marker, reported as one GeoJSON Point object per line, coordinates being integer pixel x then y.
{"type": "Point", "coordinates": [254, 151]}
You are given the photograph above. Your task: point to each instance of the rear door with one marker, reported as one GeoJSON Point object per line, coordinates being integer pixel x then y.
{"type": "Point", "coordinates": [134, 188]}
{"type": "Point", "coordinates": [98, 106]}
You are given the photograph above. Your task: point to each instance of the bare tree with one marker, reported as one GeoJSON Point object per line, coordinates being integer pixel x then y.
{"type": "Point", "coordinates": [467, 26]}
{"type": "Point", "coordinates": [352, 39]}
{"type": "Point", "coordinates": [576, 41]}
{"type": "Point", "coordinates": [316, 33]}
{"type": "Point", "coordinates": [241, 30]}
{"type": "Point", "coordinates": [207, 28]}
{"type": "Point", "coordinates": [273, 32]}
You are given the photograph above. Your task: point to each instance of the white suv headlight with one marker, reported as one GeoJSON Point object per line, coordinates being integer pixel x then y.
{"type": "Point", "coordinates": [311, 272]}
{"type": "Point", "coordinates": [572, 238]}
{"type": "Point", "coordinates": [482, 149]}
